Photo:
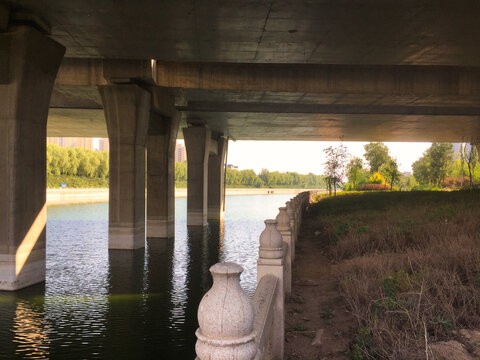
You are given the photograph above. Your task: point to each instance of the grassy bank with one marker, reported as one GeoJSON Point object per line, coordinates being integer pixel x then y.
{"type": "Point", "coordinates": [407, 266]}
{"type": "Point", "coordinates": [55, 181]}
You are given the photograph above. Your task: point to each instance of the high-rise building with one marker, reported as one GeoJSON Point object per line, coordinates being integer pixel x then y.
{"type": "Point", "coordinates": [180, 152]}
{"type": "Point", "coordinates": [81, 142]}
{"type": "Point", "coordinates": [103, 144]}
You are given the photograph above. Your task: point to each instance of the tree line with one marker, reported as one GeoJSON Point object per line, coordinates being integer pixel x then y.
{"type": "Point", "coordinates": [64, 162]}
{"type": "Point", "coordinates": [76, 162]}
{"type": "Point", "coordinates": [266, 178]}
{"type": "Point", "coordinates": [440, 166]}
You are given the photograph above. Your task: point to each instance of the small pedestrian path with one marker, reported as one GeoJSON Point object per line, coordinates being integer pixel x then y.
{"type": "Point", "coordinates": [317, 324]}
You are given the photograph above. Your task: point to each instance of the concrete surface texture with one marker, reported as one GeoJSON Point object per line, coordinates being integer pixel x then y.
{"type": "Point", "coordinates": [197, 142]}
{"type": "Point", "coordinates": [31, 61]}
{"type": "Point", "coordinates": [127, 110]}
{"type": "Point", "coordinates": [162, 135]}
{"type": "Point", "coordinates": [381, 70]}
{"type": "Point", "coordinates": [295, 70]}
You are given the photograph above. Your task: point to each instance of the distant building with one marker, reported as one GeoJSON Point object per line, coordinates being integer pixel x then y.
{"type": "Point", "coordinates": [233, 167]}
{"type": "Point", "coordinates": [103, 144]}
{"type": "Point", "coordinates": [80, 142]}
{"type": "Point", "coordinates": [180, 152]}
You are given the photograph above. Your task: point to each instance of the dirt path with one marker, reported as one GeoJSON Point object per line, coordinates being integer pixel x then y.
{"type": "Point", "coordinates": [315, 312]}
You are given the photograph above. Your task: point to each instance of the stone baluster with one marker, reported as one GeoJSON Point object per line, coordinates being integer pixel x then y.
{"type": "Point", "coordinates": [283, 226]}
{"type": "Point", "coordinates": [270, 262]}
{"type": "Point", "coordinates": [226, 318]}
{"type": "Point", "coordinates": [291, 215]}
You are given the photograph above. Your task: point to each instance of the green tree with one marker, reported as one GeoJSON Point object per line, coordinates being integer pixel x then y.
{"type": "Point", "coordinates": [335, 165]}
{"type": "Point", "coordinates": [432, 167]}
{"type": "Point", "coordinates": [181, 171]}
{"type": "Point", "coordinates": [390, 172]}
{"type": "Point", "coordinates": [355, 171]}
{"type": "Point", "coordinates": [470, 156]}
{"type": "Point", "coordinates": [376, 155]}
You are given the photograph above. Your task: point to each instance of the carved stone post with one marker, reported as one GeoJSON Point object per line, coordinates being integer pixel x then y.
{"type": "Point", "coordinates": [225, 316]}
{"type": "Point", "coordinates": [283, 226]}
{"type": "Point", "coordinates": [270, 262]}
{"type": "Point", "coordinates": [291, 215]}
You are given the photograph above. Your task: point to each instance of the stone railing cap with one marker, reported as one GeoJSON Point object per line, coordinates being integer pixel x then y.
{"type": "Point", "coordinates": [226, 268]}
{"type": "Point", "coordinates": [270, 221]}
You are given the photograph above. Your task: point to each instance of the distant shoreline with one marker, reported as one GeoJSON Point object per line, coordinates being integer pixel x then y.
{"type": "Point", "coordinates": [81, 196]}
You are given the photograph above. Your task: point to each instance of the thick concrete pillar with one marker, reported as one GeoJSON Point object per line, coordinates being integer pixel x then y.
{"type": "Point", "coordinates": [216, 180]}
{"type": "Point", "coordinates": [29, 62]}
{"type": "Point", "coordinates": [162, 136]}
{"type": "Point", "coordinates": [127, 111]}
{"type": "Point", "coordinates": [197, 143]}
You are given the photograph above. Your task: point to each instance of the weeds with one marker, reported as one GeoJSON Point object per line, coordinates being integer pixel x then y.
{"type": "Point", "coordinates": [408, 267]}
{"type": "Point", "coordinates": [328, 314]}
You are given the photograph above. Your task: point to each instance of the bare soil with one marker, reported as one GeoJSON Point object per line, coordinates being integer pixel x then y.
{"type": "Point", "coordinates": [315, 311]}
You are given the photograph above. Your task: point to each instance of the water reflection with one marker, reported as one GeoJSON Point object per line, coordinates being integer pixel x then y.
{"type": "Point", "coordinates": [30, 336]}
{"type": "Point", "coordinates": [105, 304]}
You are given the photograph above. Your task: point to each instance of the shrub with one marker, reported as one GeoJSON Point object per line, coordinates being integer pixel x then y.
{"type": "Point", "coordinates": [372, 187]}
{"type": "Point", "coordinates": [455, 182]}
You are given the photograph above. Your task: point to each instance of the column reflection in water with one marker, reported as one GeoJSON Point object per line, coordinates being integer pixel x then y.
{"type": "Point", "coordinates": [76, 293]}
{"type": "Point", "coordinates": [125, 313]}
{"type": "Point", "coordinates": [204, 244]}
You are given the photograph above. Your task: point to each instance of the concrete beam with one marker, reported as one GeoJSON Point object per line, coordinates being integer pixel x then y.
{"type": "Point", "coordinates": [33, 61]}
{"type": "Point", "coordinates": [310, 78]}
{"type": "Point", "coordinates": [407, 80]}
{"type": "Point", "coordinates": [81, 72]}
{"type": "Point", "coordinates": [283, 108]}
{"type": "Point", "coordinates": [128, 71]}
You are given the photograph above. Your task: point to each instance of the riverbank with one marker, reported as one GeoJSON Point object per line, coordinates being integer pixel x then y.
{"type": "Point", "coordinates": [80, 196]}
{"type": "Point", "coordinates": [387, 275]}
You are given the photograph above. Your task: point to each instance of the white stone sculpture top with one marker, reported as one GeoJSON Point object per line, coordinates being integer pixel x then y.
{"type": "Point", "coordinates": [226, 317]}
{"type": "Point", "coordinates": [283, 220]}
{"type": "Point", "coordinates": [289, 207]}
{"type": "Point", "coordinates": [225, 310]}
{"type": "Point", "coordinates": [271, 246]}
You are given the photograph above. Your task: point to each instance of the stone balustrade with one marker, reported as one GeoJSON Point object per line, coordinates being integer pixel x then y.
{"type": "Point", "coordinates": [233, 327]}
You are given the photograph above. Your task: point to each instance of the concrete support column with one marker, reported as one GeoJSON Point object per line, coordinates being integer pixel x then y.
{"type": "Point", "coordinates": [197, 143]}
{"type": "Point", "coordinates": [29, 63]}
{"type": "Point", "coordinates": [216, 180]}
{"type": "Point", "coordinates": [162, 136]}
{"type": "Point", "coordinates": [127, 111]}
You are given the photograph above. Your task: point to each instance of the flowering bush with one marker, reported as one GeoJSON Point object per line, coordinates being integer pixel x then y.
{"type": "Point", "coordinates": [372, 187]}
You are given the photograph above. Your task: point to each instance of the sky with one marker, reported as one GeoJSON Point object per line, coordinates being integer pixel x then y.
{"type": "Point", "coordinates": [308, 156]}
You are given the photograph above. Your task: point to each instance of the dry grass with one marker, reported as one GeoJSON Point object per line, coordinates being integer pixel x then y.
{"type": "Point", "coordinates": [408, 266]}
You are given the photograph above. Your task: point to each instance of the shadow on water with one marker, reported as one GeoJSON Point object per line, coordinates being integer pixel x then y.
{"type": "Point", "coordinates": [145, 317]}
{"type": "Point", "coordinates": [204, 246]}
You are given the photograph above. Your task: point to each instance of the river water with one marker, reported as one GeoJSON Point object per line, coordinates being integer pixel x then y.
{"type": "Point", "coordinates": [101, 304]}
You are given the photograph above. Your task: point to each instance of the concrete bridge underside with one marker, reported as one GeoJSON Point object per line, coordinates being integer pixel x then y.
{"type": "Point", "coordinates": [145, 74]}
